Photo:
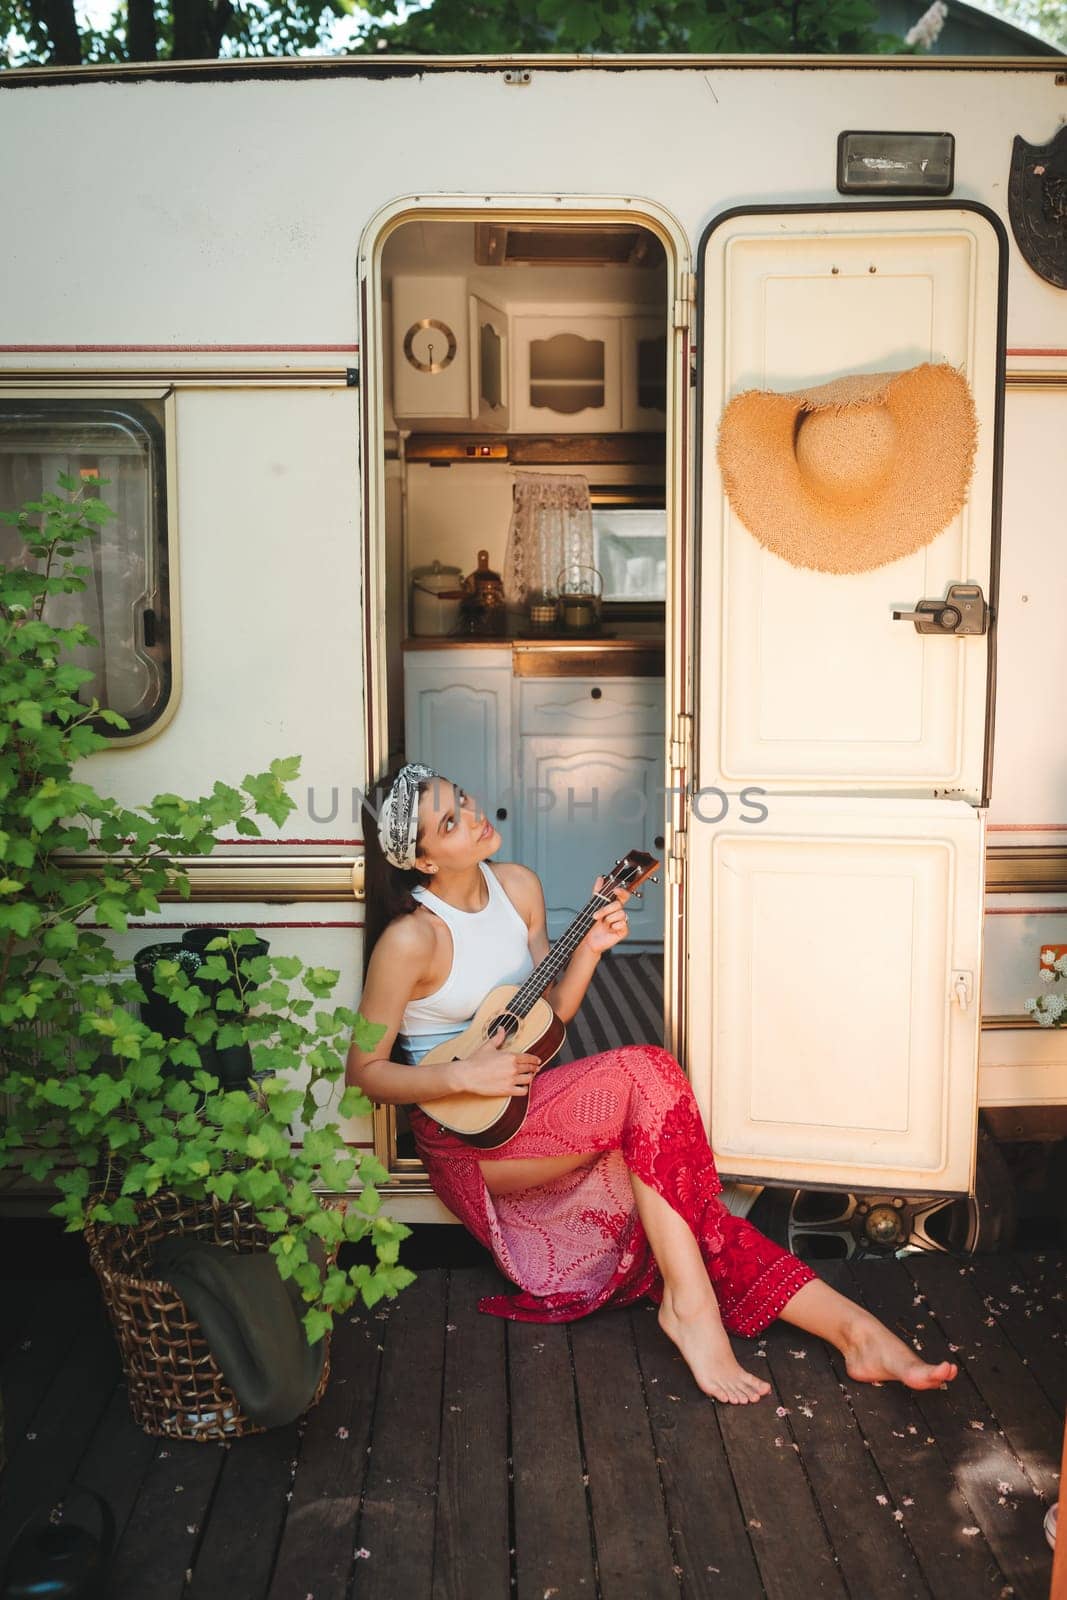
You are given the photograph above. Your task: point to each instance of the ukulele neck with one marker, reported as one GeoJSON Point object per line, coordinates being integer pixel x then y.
{"type": "Point", "coordinates": [548, 970]}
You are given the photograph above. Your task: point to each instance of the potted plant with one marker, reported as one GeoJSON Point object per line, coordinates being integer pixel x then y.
{"type": "Point", "coordinates": [134, 1132]}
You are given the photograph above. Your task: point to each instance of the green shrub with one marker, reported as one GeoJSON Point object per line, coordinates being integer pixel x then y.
{"type": "Point", "coordinates": [101, 1105]}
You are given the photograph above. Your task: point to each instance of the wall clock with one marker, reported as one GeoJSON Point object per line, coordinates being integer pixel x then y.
{"type": "Point", "coordinates": [429, 345]}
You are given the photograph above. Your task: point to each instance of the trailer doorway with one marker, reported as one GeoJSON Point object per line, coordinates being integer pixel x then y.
{"type": "Point", "coordinates": [538, 339]}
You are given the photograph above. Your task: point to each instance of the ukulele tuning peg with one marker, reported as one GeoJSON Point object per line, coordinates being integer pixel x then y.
{"type": "Point", "coordinates": [637, 895]}
{"type": "Point", "coordinates": [654, 878]}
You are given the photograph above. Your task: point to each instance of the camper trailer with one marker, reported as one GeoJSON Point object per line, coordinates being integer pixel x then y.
{"type": "Point", "coordinates": [354, 337]}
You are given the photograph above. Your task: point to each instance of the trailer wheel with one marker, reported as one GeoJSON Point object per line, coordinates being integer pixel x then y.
{"type": "Point", "coordinates": [827, 1225]}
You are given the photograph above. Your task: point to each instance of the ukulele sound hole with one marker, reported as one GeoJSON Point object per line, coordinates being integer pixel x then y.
{"type": "Point", "coordinates": [506, 1021]}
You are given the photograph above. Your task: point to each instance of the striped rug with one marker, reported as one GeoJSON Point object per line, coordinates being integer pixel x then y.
{"type": "Point", "coordinates": [623, 1005]}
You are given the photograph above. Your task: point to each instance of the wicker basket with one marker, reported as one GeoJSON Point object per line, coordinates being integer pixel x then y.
{"type": "Point", "coordinates": [175, 1386]}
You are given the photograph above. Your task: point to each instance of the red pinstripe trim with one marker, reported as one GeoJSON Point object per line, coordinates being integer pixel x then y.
{"type": "Point", "coordinates": [242, 840]}
{"type": "Point", "coordinates": [1035, 352]}
{"type": "Point", "coordinates": [123, 349]}
{"type": "Point", "coordinates": [150, 927]}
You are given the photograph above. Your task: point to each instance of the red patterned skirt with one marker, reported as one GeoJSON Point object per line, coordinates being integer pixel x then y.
{"type": "Point", "coordinates": [576, 1243]}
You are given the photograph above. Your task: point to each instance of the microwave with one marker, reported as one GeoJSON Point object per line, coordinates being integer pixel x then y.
{"type": "Point", "coordinates": [630, 552]}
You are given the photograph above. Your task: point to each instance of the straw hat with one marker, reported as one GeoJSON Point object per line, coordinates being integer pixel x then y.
{"type": "Point", "coordinates": [852, 474]}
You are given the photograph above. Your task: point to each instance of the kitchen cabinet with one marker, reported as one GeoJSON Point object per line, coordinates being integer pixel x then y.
{"type": "Point", "coordinates": [644, 374]}
{"type": "Point", "coordinates": [461, 362]}
{"type": "Point", "coordinates": [570, 769]}
{"type": "Point", "coordinates": [567, 369]}
{"type": "Point", "coordinates": [584, 805]}
{"type": "Point", "coordinates": [576, 372]}
{"type": "Point", "coordinates": [457, 718]}
{"type": "Point", "coordinates": [450, 354]}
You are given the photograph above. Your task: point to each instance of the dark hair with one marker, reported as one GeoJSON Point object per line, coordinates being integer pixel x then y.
{"type": "Point", "coordinates": [386, 889]}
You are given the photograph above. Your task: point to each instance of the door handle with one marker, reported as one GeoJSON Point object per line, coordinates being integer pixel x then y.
{"type": "Point", "coordinates": [962, 988]}
{"type": "Point", "coordinates": [963, 612]}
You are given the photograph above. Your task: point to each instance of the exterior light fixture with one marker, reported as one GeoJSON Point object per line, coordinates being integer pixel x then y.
{"type": "Point", "coordinates": [895, 163]}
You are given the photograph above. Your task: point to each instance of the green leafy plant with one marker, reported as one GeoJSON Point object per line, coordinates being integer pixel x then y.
{"type": "Point", "coordinates": [101, 1104]}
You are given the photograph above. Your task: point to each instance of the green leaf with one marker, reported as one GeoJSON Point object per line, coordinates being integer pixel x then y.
{"type": "Point", "coordinates": [317, 1324]}
{"type": "Point", "coordinates": [367, 1033]}
{"type": "Point", "coordinates": [223, 1184]}
{"type": "Point", "coordinates": [21, 918]}
{"type": "Point", "coordinates": [28, 713]}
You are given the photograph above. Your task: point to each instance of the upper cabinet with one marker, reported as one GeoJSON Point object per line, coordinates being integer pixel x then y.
{"type": "Point", "coordinates": [579, 373]}
{"type": "Point", "coordinates": [567, 371]}
{"type": "Point", "coordinates": [463, 363]}
{"type": "Point", "coordinates": [644, 374]}
{"type": "Point", "coordinates": [450, 354]}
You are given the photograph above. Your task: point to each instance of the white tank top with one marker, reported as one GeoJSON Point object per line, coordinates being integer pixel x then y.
{"type": "Point", "coordinates": [489, 946]}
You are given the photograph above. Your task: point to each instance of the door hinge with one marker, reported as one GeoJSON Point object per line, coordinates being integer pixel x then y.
{"type": "Point", "coordinates": [682, 741]}
{"type": "Point", "coordinates": [686, 301]}
{"type": "Point", "coordinates": [678, 856]}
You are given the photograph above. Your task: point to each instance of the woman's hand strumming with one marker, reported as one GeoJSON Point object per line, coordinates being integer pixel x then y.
{"type": "Point", "coordinates": [493, 1071]}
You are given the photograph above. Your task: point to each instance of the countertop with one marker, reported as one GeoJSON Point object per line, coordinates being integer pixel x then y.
{"type": "Point", "coordinates": [622, 651]}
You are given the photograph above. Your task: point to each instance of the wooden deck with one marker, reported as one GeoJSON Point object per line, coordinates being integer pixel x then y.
{"type": "Point", "coordinates": [459, 1457]}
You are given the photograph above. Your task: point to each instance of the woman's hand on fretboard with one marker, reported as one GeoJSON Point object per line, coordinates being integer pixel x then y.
{"type": "Point", "coordinates": [610, 923]}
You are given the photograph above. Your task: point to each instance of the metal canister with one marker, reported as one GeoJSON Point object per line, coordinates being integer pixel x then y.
{"type": "Point", "coordinates": [435, 596]}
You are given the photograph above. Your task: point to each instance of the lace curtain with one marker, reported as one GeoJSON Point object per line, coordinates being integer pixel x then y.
{"type": "Point", "coordinates": [551, 527]}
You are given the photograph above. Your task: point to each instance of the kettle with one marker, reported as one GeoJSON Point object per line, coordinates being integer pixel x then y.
{"type": "Point", "coordinates": [483, 610]}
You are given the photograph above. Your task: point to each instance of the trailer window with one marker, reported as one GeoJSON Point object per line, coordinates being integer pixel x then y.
{"type": "Point", "coordinates": [125, 602]}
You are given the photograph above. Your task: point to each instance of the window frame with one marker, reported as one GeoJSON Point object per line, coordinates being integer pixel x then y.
{"type": "Point", "coordinates": [168, 619]}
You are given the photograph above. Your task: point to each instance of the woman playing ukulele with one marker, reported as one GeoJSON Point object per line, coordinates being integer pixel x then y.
{"type": "Point", "coordinates": [608, 1192]}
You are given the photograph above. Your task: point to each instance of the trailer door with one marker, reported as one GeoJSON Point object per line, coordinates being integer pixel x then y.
{"type": "Point", "coordinates": [835, 920]}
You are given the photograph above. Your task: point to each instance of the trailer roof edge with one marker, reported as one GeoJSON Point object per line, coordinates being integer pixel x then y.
{"type": "Point", "coordinates": [387, 65]}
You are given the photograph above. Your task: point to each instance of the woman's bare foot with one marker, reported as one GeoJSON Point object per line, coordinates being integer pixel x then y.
{"type": "Point", "coordinates": [696, 1328]}
{"type": "Point", "coordinates": [874, 1355]}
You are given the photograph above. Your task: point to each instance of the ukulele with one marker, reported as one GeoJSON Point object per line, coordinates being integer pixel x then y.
{"type": "Point", "coordinates": [530, 1025]}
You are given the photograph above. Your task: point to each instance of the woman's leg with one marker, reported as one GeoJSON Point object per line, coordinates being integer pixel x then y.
{"type": "Point", "coordinates": [689, 1311]}
{"type": "Point", "coordinates": [872, 1354]}
{"type": "Point", "coordinates": [509, 1177]}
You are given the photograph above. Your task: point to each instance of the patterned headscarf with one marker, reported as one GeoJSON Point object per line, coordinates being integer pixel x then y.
{"type": "Point", "coordinates": [398, 820]}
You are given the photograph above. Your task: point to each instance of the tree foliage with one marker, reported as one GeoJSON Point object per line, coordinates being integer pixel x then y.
{"type": "Point", "coordinates": [149, 30]}
{"type": "Point", "coordinates": [1048, 18]}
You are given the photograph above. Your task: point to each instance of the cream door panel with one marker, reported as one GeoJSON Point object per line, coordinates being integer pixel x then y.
{"type": "Point", "coordinates": [835, 1011]}
{"type": "Point", "coordinates": [806, 680]}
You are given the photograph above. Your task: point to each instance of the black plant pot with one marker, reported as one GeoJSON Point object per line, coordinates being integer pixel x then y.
{"type": "Point", "coordinates": [232, 1065]}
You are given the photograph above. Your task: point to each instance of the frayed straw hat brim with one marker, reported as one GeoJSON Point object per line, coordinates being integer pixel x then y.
{"type": "Point", "coordinates": [935, 429]}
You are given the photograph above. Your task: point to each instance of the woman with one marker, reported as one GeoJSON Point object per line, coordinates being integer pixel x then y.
{"type": "Point", "coordinates": [609, 1191]}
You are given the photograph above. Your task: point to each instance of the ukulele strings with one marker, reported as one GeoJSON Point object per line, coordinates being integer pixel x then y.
{"type": "Point", "coordinates": [536, 983]}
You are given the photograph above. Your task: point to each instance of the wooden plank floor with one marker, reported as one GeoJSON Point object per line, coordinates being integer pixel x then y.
{"type": "Point", "coordinates": [460, 1457]}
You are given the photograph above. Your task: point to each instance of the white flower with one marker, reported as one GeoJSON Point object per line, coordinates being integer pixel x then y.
{"type": "Point", "coordinates": [1048, 957]}
{"type": "Point", "coordinates": [929, 25]}
{"type": "Point", "coordinates": [1047, 975]}
{"type": "Point", "coordinates": [1029, 1005]}
{"type": "Point", "coordinates": [1061, 966]}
